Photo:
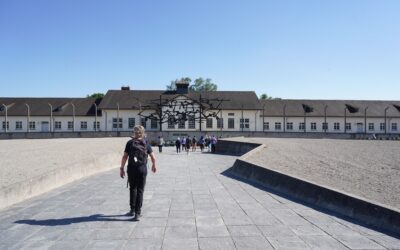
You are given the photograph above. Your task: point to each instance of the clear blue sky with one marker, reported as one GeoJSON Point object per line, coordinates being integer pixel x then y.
{"type": "Point", "coordinates": [320, 49]}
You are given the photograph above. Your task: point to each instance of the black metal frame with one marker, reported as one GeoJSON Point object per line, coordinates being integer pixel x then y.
{"type": "Point", "coordinates": [195, 109]}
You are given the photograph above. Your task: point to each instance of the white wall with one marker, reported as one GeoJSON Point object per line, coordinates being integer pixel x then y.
{"type": "Point", "coordinates": [237, 116]}
{"type": "Point", "coordinates": [252, 115]}
{"type": "Point", "coordinates": [108, 116]}
{"type": "Point", "coordinates": [255, 122]}
{"type": "Point", "coordinates": [331, 120]}
{"type": "Point", "coordinates": [272, 121]}
{"type": "Point", "coordinates": [39, 120]}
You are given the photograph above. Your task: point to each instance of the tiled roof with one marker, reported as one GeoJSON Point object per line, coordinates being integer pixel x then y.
{"type": "Point", "coordinates": [134, 99]}
{"type": "Point", "coordinates": [235, 100]}
{"type": "Point", "coordinates": [41, 107]}
{"type": "Point", "coordinates": [334, 108]}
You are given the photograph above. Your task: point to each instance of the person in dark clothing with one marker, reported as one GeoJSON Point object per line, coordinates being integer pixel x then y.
{"type": "Point", "coordinates": [188, 144]}
{"type": "Point", "coordinates": [213, 142]}
{"type": "Point", "coordinates": [201, 143]}
{"type": "Point", "coordinates": [194, 143]}
{"type": "Point", "coordinates": [160, 143]}
{"type": "Point", "coordinates": [137, 169]}
{"type": "Point", "coordinates": [178, 145]}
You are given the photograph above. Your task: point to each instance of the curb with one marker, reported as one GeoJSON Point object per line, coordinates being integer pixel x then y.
{"type": "Point", "coordinates": [362, 210]}
{"type": "Point", "coordinates": [37, 185]}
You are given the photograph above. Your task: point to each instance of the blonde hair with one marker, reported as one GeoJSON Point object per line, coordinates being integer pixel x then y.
{"type": "Point", "coordinates": [138, 131]}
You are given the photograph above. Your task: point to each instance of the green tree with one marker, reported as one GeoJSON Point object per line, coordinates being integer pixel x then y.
{"type": "Point", "coordinates": [95, 95]}
{"type": "Point", "coordinates": [266, 97]}
{"type": "Point", "coordinates": [202, 85]}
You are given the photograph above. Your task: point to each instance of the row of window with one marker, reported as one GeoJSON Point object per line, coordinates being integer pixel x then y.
{"type": "Point", "coordinates": [117, 123]}
{"type": "Point", "coordinates": [336, 126]}
{"type": "Point", "coordinates": [244, 123]}
{"type": "Point", "coordinates": [57, 125]}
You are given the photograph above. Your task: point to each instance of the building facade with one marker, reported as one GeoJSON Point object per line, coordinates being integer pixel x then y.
{"type": "Point", "coordinates": [331, 116]}
{"type": "Point", "coordinates": [186, 111]}
{"type": "Point", "coordinates": [34, 115]}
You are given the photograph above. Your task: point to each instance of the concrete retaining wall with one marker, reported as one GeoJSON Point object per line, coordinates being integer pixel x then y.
{"type": "Point", "coordinates": [172, 135]}
{"type": "Point", "coordinates": [364, 211]}
{"type": "Point", "coordinates": [234, 148]}
{"type": "Point", "coordinates": [48, 135]}
{"type": "Point", "coordinates": [40, 184]}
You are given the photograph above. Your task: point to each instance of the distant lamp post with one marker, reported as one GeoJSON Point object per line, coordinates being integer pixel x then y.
{"type": "Point", "coordinates": [326, 124]}
{"type": "Point", "coordinates": [263, 114]}
{"type": "Point", "coordinates": [284, 118]}
{"type": "Point", "coordinates": [117, 117]}
{"type": "Point", "coordinates": [242, 120]}
{"type": "Point", "coordinates": [95, 117]}
{"type": "Point", "coordinates": [73, 117]}
{"type": "Point", "coordinates": [51, 116]}
{"type": "Point", "coordinates": [6, 117]}
{"type": "Point", "coordinates": [385, 120]}
{"type": "Point", "coordinates": [27, 117]}
{"type": "Point", "coordinates": [365, 120]}
{"type": "Point", "coordinates": [345, 119]}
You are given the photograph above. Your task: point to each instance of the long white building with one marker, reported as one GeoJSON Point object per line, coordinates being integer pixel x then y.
{"type": "Point", "coordinates": [186, 111]}
{"type": "Point", "coordinates": [331, 116]}
{"type": "Point", "coordinates": [35, 115]}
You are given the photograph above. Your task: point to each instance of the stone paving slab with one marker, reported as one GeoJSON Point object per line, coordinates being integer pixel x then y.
{"type": "Point", "coordinates": [189, 204]}
{"type": "Point", "coordinates": [369, 169]}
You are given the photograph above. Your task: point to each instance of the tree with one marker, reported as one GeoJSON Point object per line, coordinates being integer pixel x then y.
{"type": "Point", "coordinates": [201, 85]}
{"type": "Point", "coordinates": [172, 85]}
{"type": "Point", "coordinates": [265, 97]}
{"type": "Point", "coordinates": [95, 95]}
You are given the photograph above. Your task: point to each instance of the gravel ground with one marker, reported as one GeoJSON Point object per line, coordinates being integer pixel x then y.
{"type": "Point", "coordinates": [369, 169]}
{"type": "Point", "coordinates": [21, 160]}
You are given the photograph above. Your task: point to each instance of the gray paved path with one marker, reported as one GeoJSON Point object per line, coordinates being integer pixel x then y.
{"type": "Point", "coordinates": [188, 204]}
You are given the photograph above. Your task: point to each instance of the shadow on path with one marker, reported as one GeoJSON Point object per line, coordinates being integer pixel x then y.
{"type": "Point", "coordinates": [72, 220]}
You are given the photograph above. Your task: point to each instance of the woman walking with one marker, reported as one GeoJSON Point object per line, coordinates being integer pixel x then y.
{"type": "Point", "coordinates": [137, 150]}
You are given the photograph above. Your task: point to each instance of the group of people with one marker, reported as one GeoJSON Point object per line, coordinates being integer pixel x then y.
{"type": "Point", "coordinates": [187, 143]}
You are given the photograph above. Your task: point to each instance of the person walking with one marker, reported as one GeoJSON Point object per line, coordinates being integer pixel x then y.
{"type": "Point", "coordinates": [136, 152]}
{"type": "Point", "coordinates": [183, 143]}
{"type": "Point", "coordinates": [201, 143]}
{"type": "Point", "coordinates": [213, 142]}
{"type": "Point", "coordinates": [188, 144]}
{"type": "Point", "coordinates": [178, 145]}
{"type": "Point", "coordinates": [160, 143]}
{"type": "Point", "coordinates": [194, 144]}
{"type": "Point", "coordinates": [207, 142]}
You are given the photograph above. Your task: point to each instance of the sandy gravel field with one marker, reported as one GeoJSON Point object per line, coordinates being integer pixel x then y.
{"type": "Point", "coordinates": [22, 160]}
{"type": "Point", "coordinates": [370, 169]}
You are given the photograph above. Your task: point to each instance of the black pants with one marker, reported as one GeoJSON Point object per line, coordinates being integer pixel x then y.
{"type": "Point", "coordinates": [160, 148]}
{"type": "Point", "coordinates": [137, 181]}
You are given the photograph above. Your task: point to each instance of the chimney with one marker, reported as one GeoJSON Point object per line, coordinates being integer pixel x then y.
{"type": "Point", "coordinates": [182, 87]}
{"type": "Point", "coordinates": [125, 88]}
